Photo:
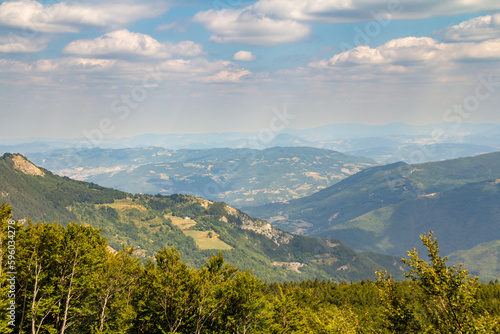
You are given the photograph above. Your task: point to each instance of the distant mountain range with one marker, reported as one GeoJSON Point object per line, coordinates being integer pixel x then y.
{"type": "Point", "coordinates": [195, 226]}
{"type": "Point", "coordinates": [236, 176]}
{"type": "Point", "coordinates": [385, 208]}
{"type": "Point", "coordinates": [389, 143]}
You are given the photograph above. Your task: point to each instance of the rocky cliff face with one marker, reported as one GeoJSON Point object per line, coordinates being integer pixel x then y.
{"type": "Point", "coordinates": [258, 226]}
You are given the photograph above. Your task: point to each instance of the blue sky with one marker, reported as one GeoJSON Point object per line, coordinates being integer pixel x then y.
{"type": "Point", "coordinates": [124, 68]}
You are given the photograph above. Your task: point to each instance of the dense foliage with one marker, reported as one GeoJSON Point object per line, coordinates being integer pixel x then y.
{"type": "Point", "coordinates": [69, 281]}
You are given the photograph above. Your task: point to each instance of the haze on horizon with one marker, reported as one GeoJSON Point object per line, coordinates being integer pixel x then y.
{"type": "Point", "coordinates": [160, 66]}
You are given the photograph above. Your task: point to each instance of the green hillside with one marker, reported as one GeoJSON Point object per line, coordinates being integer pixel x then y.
{"type": "Point", "coordinates": [359, 194]}
{"type": "Point", "coordinates": [482, 260]}
{"type": "Point", "coordinates": [239, 177]}
{"type": "Point", "coordinates": [461, 218]}
{"type": "Point", "coordinates": [195, 226]}
{"type": "Point", "coordinates": [385, 208]}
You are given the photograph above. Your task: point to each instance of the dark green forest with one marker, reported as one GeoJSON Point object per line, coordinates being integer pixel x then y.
{"type": "Point", "coordinates": [67, 280]}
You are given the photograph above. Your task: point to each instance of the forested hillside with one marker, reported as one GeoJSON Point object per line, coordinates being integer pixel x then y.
{"type": "Point", "coordinates": [68, 280]}
{"type": "Point", "coordinates": [198, 228]}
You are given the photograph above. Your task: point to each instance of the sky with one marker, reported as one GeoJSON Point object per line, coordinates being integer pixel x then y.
{"type": "Point", "coordinates": [97, 68]}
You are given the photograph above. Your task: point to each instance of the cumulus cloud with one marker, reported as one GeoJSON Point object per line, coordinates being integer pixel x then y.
{"type": "Point", "coordinates": [401, 54]}
{"type": "Point", "coordinates": [474, 30]}
{"type": "Point", "coordinates": [245, 26]}
{"type": "Point", "coordinates": [398, 51]}
{"type": "Point", "coordinates": [197, 66]}
{"type": "Point", "coordinates": [67, 65]}
{"type": "Point", "coordinates": [71, 16]}
{"type": "Point", "coordinates": [18, 44]}
{"type": "Point", "coordinates": [126, 43]}
{"type": "Point", "coordinates": [244, 56]}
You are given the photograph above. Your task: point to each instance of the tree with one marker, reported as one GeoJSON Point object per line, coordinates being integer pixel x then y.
{"type": "Point", "coordinates": [213, 293]}
{"type": "Point", "coordinates": [57, 269]}
{"type": "Point", "coordinates": [398, 304]}
{"type": "Point", "coordinates": [286, 313]}
{"type": "Point", "coordinates": [7, 237]}
{"type": "Point", "coordinates": [448, 300]}
{"type": "Point", "coordinates": [109, 307]}
{"type": "Point", "coordinates": [164, 298]}
{"type": "Point", "coordinates": [247, 305]}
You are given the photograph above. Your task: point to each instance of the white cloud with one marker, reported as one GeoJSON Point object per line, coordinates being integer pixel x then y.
{"type": "Point", "coordinates": [244, 56]}
{"type": "Point", "coordinates": [184, 48]}
{"type": "Point", "coordinates": [71, 72]}
{"type": "Point", "coordinates": [361, 10]}
{"type": "Point", "coordinates": [474, 30]}
{"type": "Point", "coordinates": [400, 55]}
{"type": "Point", "coordinates": [271, 22]}
{"type": "Point", "coordinates": [123, 42]}
{"type": "Point", "coordinates": [74, 64]}
{"type": "Point", "coordinates": [71, 16]}
{"type": "Point", "coordinates": [245, 26]}
{"type": "Point", "coordinates": [197, 66]}
{"type": "Point", "coordinates": [398, 51]}
{"type": "Point", "coordinates": [18, 44]}
{"type": "Point", "coordinates": [487, 50]}
{"type": "Point", "coordinates": [226, 76]}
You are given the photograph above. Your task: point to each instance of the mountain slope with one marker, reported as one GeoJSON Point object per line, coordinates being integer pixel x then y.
{"type": "Point", "coordinates": [462, 218]}
{"type": "Point", "coordinates": [361, 193]}
{"type": "Point", "coordinates": [195, 226]}
{"type": "Point", "coordinates": [482, 260]}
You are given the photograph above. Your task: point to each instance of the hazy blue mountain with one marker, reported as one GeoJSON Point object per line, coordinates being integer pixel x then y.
{"type": "Point", "coordinates": [237, 176]}
{"type": "Point", "coordinates": [423, 153]}
{"type": "Point", "coordinates": [339, 137]}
